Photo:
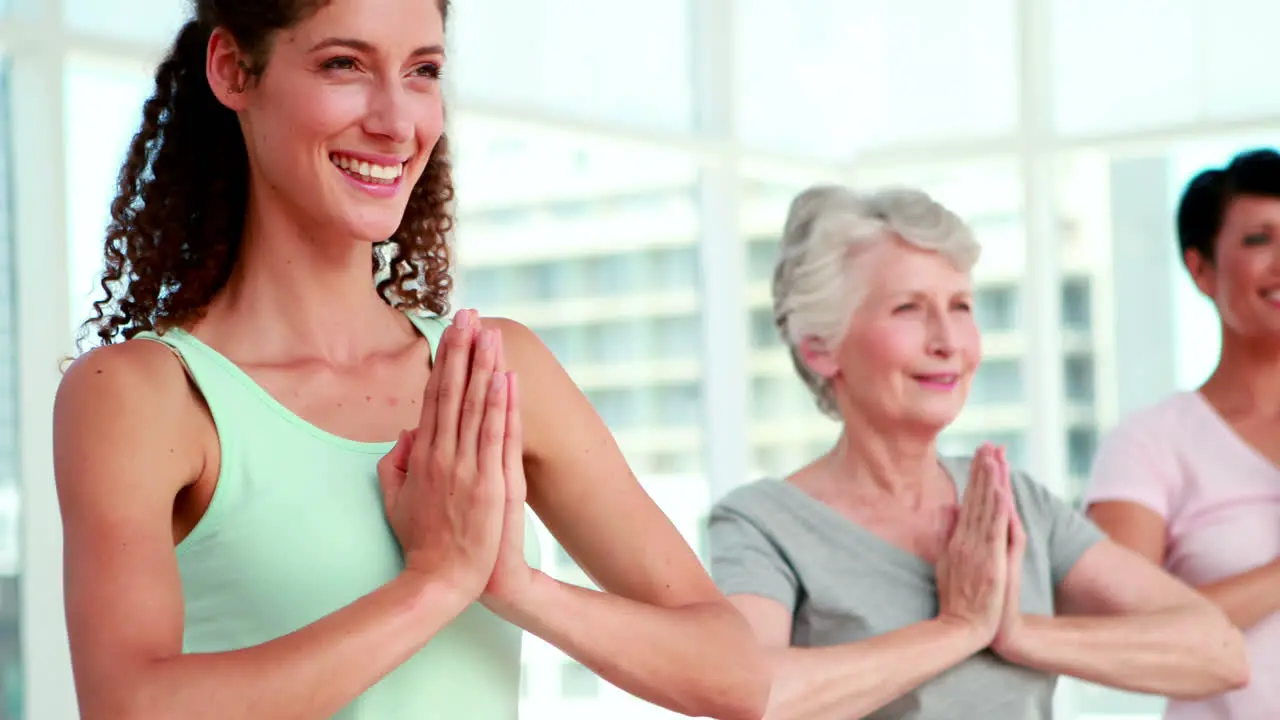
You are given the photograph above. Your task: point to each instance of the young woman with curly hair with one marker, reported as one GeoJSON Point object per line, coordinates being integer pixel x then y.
{"type": "Point", "coordinates": [244, 538]}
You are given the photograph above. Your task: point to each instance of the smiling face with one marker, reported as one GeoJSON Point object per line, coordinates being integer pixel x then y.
{"type": "Point", "coordinates": [1243, 279]}
{"type": "Point", "coordinates": [343, 119]}
{"type": "Point", "coordinates": [912, 345]}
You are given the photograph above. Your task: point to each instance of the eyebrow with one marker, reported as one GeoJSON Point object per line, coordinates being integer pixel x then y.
{"type": "Point", "coordinates": [366, 47]}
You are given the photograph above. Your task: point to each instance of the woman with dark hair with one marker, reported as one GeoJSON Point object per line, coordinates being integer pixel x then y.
{"type": "Point", "coordinates": [1193, 482]}
{"type": "Point", "coordinates": [242, 539]}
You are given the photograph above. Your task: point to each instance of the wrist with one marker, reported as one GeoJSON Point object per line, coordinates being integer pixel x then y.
{"type": "Point", "coordinates": [967, 634]}
{"type": "Point", "coordinates": [519, 605]}
{"type": "Point", "coordinates": [1009, 642]}
{"type": "Point", "coordinates": [429, 592]}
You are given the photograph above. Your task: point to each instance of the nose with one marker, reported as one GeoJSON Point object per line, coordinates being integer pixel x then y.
{"type": "Point", "coordinates": [941, 337]}
{"type": "Point", "coordinates": [389, 113]}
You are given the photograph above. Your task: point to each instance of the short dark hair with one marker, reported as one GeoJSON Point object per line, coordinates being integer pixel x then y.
{"type": "Point", "coordinates": [1205, 201]}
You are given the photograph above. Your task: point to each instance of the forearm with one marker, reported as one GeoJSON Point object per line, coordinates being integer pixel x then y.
{"type": "Point", "coordinates": [855, 679]}
{"type": "Point", "coordinates": [309, 674]}
{"type": "Point", "coordinates": [698, 660]}
{"type": "Point", "coordinates": [1185, 653]}
{"type": "Point", "coordinates": [1248, 597]}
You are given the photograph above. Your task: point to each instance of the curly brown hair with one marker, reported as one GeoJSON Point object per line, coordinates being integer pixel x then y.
{"type": "Point", "coordinates": [179, 211]}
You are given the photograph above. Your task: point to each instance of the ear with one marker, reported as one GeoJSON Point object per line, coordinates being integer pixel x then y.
{"type": "Point", "coordinates": [227, 70]}
{"type": "Point", "coordinates": [813, 351]}
{"type": "Point", "coordinates": [1203, 272]}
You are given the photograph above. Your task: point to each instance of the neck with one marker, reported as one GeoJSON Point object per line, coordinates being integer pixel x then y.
{"type": "Point", "coordinates": [893, 463]}
{"type": "Point", "coordinates": [1247, 375]}
{"type": "Point", "coordinates": [297, 294]}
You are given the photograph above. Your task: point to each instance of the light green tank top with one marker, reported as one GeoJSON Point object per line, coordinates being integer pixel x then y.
{"type": "Point", "coordinates": [296, 530]}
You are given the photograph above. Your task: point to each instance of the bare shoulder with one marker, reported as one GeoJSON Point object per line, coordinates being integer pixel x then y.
{"type": "Point", "coordinates": [127, 439]}
{"type": "Point", "coordinates": [127, 399]}
{"type": "Point", "coordinates": [556, 415]}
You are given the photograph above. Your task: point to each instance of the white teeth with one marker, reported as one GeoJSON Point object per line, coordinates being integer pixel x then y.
{"type": "Point", "coordinates": [367, 170]}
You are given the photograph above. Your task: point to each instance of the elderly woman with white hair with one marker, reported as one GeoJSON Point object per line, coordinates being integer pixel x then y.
{"type": "Point", "coordinates": [888, 582]}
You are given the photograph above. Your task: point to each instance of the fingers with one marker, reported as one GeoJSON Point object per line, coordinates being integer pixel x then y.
{"type": "Point", "coordinates": [393, 466]}
{"type": "Point", "coordinates": [1017, 534]}
{"type": "Point", "coordinates": [399, 455]}
{"type": "Point", "coordinates": [999, 494]}
{"type": "Point", "coordinates": [476, 396]}
{"type": "Point", "coordinates": [431, 394]}
{"type": "Point", "coordinates": [975, 466]}
{"type": "Point", "coordinates": [451, 385]}
{"type": "Point", "coordinates": [493, 429]}
{"type": "Point", "coordinates": [513, 444]}
{"type": "Point", "coordinates": [985, 511]}
{"type": "Point", "coordinates": [972, 510]}
{"type": "Point", "coordinates": [990, 501]}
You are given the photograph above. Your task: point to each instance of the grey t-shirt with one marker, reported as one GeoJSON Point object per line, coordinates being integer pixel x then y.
{"type": "Point", "coordinates": [843, 584]}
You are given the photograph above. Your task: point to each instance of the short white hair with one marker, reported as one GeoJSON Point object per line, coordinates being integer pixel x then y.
{"type": "Point", "coordinates": [814, 292]}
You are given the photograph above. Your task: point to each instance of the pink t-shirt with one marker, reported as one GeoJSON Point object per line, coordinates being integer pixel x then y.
{"type": "Point", "coordinates": [1220, 499]}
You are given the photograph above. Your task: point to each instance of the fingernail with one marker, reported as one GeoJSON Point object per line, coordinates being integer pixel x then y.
{"type": "Point", "coordinates": [462, 319]}
{"type": "Point", "coordinates": [486, 338]}
{"type": "Point", "coordinates": [497, 381]}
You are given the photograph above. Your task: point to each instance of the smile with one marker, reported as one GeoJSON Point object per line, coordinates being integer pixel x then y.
{"type": "Point", "coordinates": [938, 382]}
{"type": "Point", "coordinates": [367, 172]}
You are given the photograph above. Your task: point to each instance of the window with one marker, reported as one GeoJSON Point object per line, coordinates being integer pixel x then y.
{"type": "Point", "coordinates": [996, 308]}
{"type": "Point", "coordinates": [1164, 52]}
{"type": "Point", "coordinates": [104, 108]}
{"type": "Point", "coordinates": [153, 22]}
{"type": "Point", "coordinates": [764, 333]}
{"type": "Point", "coordinates": [636, 59]}
{"type": "Point", "coordinates": [673, 463]}
{"type": "Point", "coordinates": [678, 406]}
{"type": "Point", "coordinates": [617, 407]}
{"type": "Point", "coordinates": [997, 381]}
{"type": "Point", "coordinates": [1078, 374]}
{"type": "Point", "coordinates": [762, 256]}
{"type": "Point", "coordinates": [678, 338]}
{"type": "Point", "coordinates": [482, 287]}
{"type": "Point", "coordinates": [613, 274]}
{"type": "Point", "coordinates": [1076, 308]}
{"type": "Point", "coordinates": [619, 341]}
{"type": "Point", "coordinates": [560, 342]}
{"type": "Point", "coordinates": [896, 94]}
{"type": "Point", "coordinates": [1082, 443]}
{"type": "Point", "coordinates": [676, 268]}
